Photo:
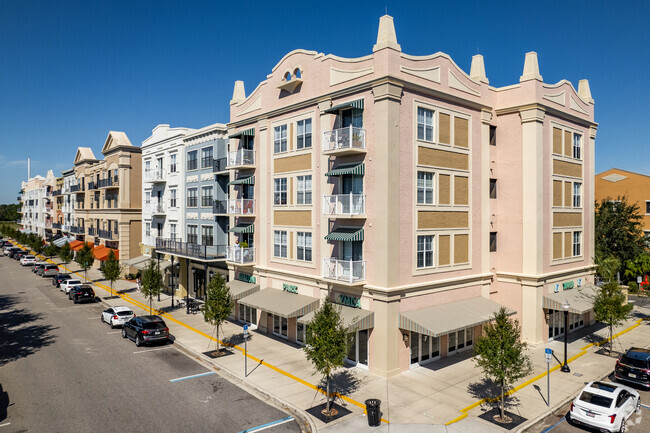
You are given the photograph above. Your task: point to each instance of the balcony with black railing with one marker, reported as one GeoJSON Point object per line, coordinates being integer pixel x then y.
{"type": "Point", "coordinates": [106, 234]}
{"type": "Point", "coordinates": [77, 188]}
{"type": "Point", "coordinates": [191, 250]}
{"type": "Point", "coordinates": [57, 226]}
{"type": "Point", "coordinates": [92, 231]}
{"type": "Point", "coordinates": [92, 185]}
{"type": "Point", "coordinates": [109, 182]}
{"type": "Point", "coordinates": [77, 229]}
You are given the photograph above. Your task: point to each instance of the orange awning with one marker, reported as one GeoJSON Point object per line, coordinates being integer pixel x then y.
{"type": "Point", "coordinates": [103, 255]}
{"type": "Point", "coordinates": [98, 250]}
{"type": "Point", "coordinates": [76, 245]}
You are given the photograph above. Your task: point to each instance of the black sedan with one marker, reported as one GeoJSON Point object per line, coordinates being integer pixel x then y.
{"type": "Point", "coordinates": [56, 281]}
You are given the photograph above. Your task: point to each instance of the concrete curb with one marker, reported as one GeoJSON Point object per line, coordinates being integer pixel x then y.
{"type": "Point", "coordinates": [528, 424]}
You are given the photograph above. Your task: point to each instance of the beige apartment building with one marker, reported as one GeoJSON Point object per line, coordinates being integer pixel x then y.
{"type": "Point", "coordinates": [413, 194]}
{"type": "Point", "coordinates": [614, 183]}
{"type": "Point", "coordinates": [108, 198]}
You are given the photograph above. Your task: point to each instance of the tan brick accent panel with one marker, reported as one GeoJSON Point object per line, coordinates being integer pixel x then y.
{"type": "Point", "coordinates": [461, 245]}
{"type": "Point", "coordinates": [461, 193]}
{"type": "Point", "coordinates": [444, 128]}
{"type": "Point", "coordinates": [442, 220]}
{"type": "Point", "coordinates": [567, 143]}
{"type": "Point", "coordinates": [567, 194]}
{"type": "Point", "coordinates": [557, 245]}
{"type": "Point", "coordinates": [563, 219]}
{"type": "Point", "coordinates": [444, 189]}
{"type": "Point", "coordinates": [461, 132]}
{"type": "Point", "coordinates": [567, 244]}
{"type": "Point", "coordinates": [290, 192]}
{"type": "Point", "coordinates": [444, 246]}
{"type": "Point", "coordinates": [442, 158]}
{"type": "Point", "coordinates": [300, 218]}
{"type": "Point", "coordinates": [557, 141]}
{"type": "Point", "coordinates": [567, 168]}
{"type": "Point", "coordinates": [292, 163]}
{"type": "Point", "coordinates": [557, 193]}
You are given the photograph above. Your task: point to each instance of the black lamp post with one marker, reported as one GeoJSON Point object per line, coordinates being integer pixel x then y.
{"type": "Point", "coordinates": [565, 367]}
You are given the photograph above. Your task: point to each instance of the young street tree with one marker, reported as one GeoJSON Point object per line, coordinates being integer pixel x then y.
{"type": "Point", "coordinates": [611, 308]}
{"type": "Point", "coordinates": [151, 283]}
{"type": "Point", "coordinates": [51, 250]}
{"type": "Point", "coordinates": [65, 253]}
{"type": "Point", "coordinates": [85, 258]}
{"type": "Point", "coordinates": [326, 343]}
{"type": "Point", "coordinates": [218, 305]}
{"type": "Point", "coordinates": [112, 269]}
{"type": "Point", "coordinates": [501, 353]}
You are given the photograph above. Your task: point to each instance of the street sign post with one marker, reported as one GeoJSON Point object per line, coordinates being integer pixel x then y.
{"type": "Point", "coordinates": [548, 354]}
{"type": "Point", "coordinates": [245, 350]}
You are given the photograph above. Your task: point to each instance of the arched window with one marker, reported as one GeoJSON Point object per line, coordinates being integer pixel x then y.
{"type": "Point", "coordinates": [287, 76]}
{"type": "Point", "coordinates": [297, 73]}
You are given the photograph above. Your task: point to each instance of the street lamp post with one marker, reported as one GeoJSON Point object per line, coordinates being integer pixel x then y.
{"type": "Point", "coordinates": [565, 367]}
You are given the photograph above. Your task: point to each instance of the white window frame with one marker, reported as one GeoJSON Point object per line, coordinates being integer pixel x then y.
{"type": "Point", "coordinates": [172, 198]}
{"type": "Point", "coordinates": [304, 246]}
{"type": "Point", "coordinates": [147, 229]}
{"type": "Point", "coordinates": [193, 230]}
{"type": "Point", "coordinates": [204, 195]}
{"type": "Point", "coordinates": [577, 194]}
{"type": "Point", "coordinates": [425, 251]}
{"type": "Point", "coordinates": [577, 146]}
{"type": "Point", "coordinates": [427, 124]}
{"type": "Point", "coordinates": [577, 243]}
{"type": "Point", "coordinates": [172, 163]}
{"type": "Point", "coordinates": [280, 320]}
{"type": "Point", "coordinates": [422, 186]}
{"type": "Point", "coordinates": [195, 195]}
{"type": "Point", "coordinates": [172, 231]}
{"type": "Point", "coordinates": [280, 191]}
{"type": "Point", "coordinates": [280, 244]}
{"type": "Point", "coordinates": [303, 128]}
{"type": "Point", "coordinates": [280, 139]}
{"type": "Point", "coordinates": [303, 192]}
{"type": "Point", "coordinates": [147, 197]}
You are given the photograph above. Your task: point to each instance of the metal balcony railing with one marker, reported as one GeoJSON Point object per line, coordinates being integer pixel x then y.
{"type": "Point", "coordinates": [76, 188]}
{"type": "Point", "coordinates": [105, 234]}
{"type": "Point", "coordinates": [77, 229]}
{"type": "Point", "coordinates": [344, 270]}
{"type": "Point", "coordinates": [57, 226]}
{"type": "Point", "coordinates": [220, 164]}
{"type": "Point", "coordinates": [344, 204]}
{"type": "Point", "coordinates": [241, 157]}
{"type": "Point", "coordinates": [240, 255]}
{"type": "Point", "coordinates": [92, 231]}
{"type": "Point", "coordinates": [157, 175]}
{"type": "Point", "coordinates": [237, 206]}
{"type": "Point", "coordinates": [344, 139]}
{"type": "Point", "coordinates": [155, 208]}
{"type": "Point", "coordinates": [176, 247]}
{"type": "Point", "coordinates": [108, 182]}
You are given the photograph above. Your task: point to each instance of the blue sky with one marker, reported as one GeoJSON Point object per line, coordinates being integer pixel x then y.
{"type": "Point", "coordinates": [70, 71]}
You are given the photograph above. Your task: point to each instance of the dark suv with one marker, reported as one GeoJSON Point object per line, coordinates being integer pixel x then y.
{"type": "Point", "coordinates": [83, 293]}
{"type": "Point", "coordinates": [146, 329]}
{"type": "Point", "coordinates": [634, 367]}
{"type": "Point", "coordinates": [56, 281]}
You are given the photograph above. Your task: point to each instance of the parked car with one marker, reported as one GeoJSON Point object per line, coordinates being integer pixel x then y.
{"type": "Point", "coordinates": [146, 329]}
{"type": "Point", "coordinates": [37, 266]}
{"type": "Point", "coordinates": [605, 406]}
{"type": "Point", "coordinates": [19, 254]}
{"type": "Point", "coordinates": [48, 271]}
{"type": "Point", "coordinates": [82, 293]}
{"type": "Point", "coordinates": [68, 284]}
{"type": "Point", "coordinates": [634, 367]}
{"type": "Point", "coordinates": [115, 316]}
{"type": "Point", "coordinates": [9, 250]}
{"type": "Point", "coordinates": [27, 260]}
{"type": "Point", "coordinates": [59, 278]}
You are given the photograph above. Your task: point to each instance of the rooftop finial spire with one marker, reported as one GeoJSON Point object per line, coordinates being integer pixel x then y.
{"type": "Point", "coordinates": [386, 37]}
{"type": "Point", "coordinates": [584, 91]}
{"type": "Point", "coordinates": [531, 68]}
{"type": "Point", "coordinates": [238, 93]}
{"type": "Point", "coordinates": [477, 71]}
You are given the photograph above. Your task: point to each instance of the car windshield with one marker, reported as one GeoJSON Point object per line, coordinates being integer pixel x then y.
{"type": "Point", "coordinates": [125, 313]}
{"type": "Point", "coordinates": [154, 325]}
{"type": "Point", "coordinates": [63, 276]}
{"type": "Point", "coordinates": [633, 362]}
{"type": "Point", "coordinates": [595, 399]}
{"type": "Point", "coordinates": [71, 282]}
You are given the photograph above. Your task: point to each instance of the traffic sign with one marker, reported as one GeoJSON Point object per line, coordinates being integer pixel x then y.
{"type": "Point", "coordinates": [245, 328]}
{"type": "Point", "coordinates": [548, 354]}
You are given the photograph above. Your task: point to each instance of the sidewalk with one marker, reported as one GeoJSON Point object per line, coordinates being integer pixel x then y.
{"type": "Point", "coordinates": [418, 400]}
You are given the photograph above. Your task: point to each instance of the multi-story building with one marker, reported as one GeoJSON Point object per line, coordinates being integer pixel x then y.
{"type": "Point", "coordinates": [614, 183]}
{"type": "Point", "coordinates": [417, 196]}
{"type": "Point", "coordinates": [37, 205]}
{"type": "Point", "coordinates": [107, 203]}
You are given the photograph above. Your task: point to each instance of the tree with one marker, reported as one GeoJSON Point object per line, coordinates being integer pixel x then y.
{"type": "Point", "coordinates": [151, 282]}
{"type": "Point", "coordinates": [51, 250]}
{"type": "Point", "coordinates": [65, 253]}
{"type": "Point", "coordinates": [637, 267]}
{"type": "Point", "coordinates": [326, 343]}
{"type": "Point", "coordinates": [35, 242]}
{"type": "Point", "coordinates": [112, 269]}
{"type": "Point", "coordinates": [608, 267]}
{"type": "Point", "coordinates": [85, 258]}
{"type": "Point", "coordinates": [501, 353]}
{"type": "Point", "coordinates": [218, 305]}
{"type": "Point", "coordinates": [611, 308]}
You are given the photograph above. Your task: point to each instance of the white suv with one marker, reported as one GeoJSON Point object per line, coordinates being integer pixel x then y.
{"type": "Point", "coordinates": [115, 316]}
{"type": "Point", "coordinates": [27, 260]}
{"type": "Point", "coordinates": [68, 284]}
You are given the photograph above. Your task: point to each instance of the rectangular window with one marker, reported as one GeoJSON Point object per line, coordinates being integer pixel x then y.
{"type": "Point", "coordinates": [304, 190]}
{"type": "Point", "coordinates": [172, 199]}
{"type": "Point", "coordinates": [576, 194]}
{"type": "Point", "coordinates": [425, 251]}
{"type": "Point", "coordinates": [280, 326]}
{"type": "Point", "coordinates": [304, 246]}
{"type": "Point", "coordinates": [647, 207]}
{"type": "Point", "coordinates": [172, 231]}
{"type": "Point", "coordinates": [425, 187]}
{"type": "Point", "coordinates": [115, 228]}
{"type": "Point", "coordinates": [577, 146]}
{"type": "Point", "coordinates": [577, 236]}
{"type": "Point", "coordinates": [280, 243]}
{"type": "Point", "coordinates": [304, 134]}
{"type": "Point", "coordinates": [425, 124]}
{"type": "Point", "coordinates": [280, 139]}
{"type": "Point", "coordinates": [207, 235]}
{"type": "Point", "coordinates": [206, 157]}
{"type": "Point", "coordinates": [147, 229]}
{"type": "Point", "coordinates": [493, 188]}
{"type": "Point", "coordinates": [192, 234]}
{"type": "Point", "coordinates": [172, 163]}
{"type": "Point", "coordinates": [493, 135]}
{"type": "Point", "coordinates": [206, 196]}
{"type": "Point", "coordinates": [192, 158]}
{"type": "Point", "coordinates": [192, 197]}
{"type": "Point", "coordinates": [280, 191]}
{"type": "Point", "coordinates": [147, 197]}
{"type": "Point", "coordinates": [493, 242]}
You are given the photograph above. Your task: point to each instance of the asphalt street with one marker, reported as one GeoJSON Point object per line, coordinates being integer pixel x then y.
{"type": "Point", "coordinates": [62, 370]}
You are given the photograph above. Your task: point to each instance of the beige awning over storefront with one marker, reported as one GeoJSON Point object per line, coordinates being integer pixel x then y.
{"type": "Point", "coordinates": [281, 303]}
{"type": "Point", "coordinates": [139, 262]}
{"type": "Point", "coordinates": [581, 299]}
{"type": "Point", "coordinates": [241, 289]}
{"type": "Point", "coordinates": [353, 318]}
{"type": "Point", "coordinates": [443, 319]}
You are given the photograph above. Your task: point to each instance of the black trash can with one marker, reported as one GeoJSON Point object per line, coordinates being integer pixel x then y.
{"type": "Point", "coordinates": [372, 407]}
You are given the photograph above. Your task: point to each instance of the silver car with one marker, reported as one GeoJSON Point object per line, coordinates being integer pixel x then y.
{"type": "Point", "coordinates": [49, 271]}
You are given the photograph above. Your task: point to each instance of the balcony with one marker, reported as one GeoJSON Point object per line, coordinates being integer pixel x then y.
{"type": "Point", "coordinates": [349, 271]}
{"type": "Point", "coordinates": [155, 208]}
{"type": "Point", "coordinates": [109, 182]}
{"type": "Point", "coordinates": [242, 158]}
{"type": "Point", "coordinates": [66, 227]}
{"type": "Point", "coordinates": [92, 185]}
{"type": "Point", "coordinates": [346, 205]}
{"type": "Point", "coordinates": [92, 231]}
{"type": "Point", "coordinates": [57, 192]}
{"type": "Point", "coordinates": [77, 229]}
{"type": "Point", "coordinates": [239, 206]}
{"type": "Point", "coordinates": [154, 175]}
{"type": "Point", "coordinates": [77, 188]}
{"type": "Point", "coordinates": [344, 141]}
{"type": "Point", "coordinates": [106, 234]}
{"type": "Point", "coordinates": [219, 165]}
{"type": "Point", "coordinates": [186, 249]}
{"type": "Point", "coordinates": [240, 256]}
{"type": "Point", "coordinates": [57, 226]}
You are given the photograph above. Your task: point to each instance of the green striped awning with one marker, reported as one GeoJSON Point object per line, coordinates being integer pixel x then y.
{"type": "Point", "coordinates": [250, 132]}
{"type": "Point", "coordinates": [353, 318]}
{"type": "Point", "coordinates": [243, 228]}
{"type": "Point", "coordinates": [352, 104]}
{"type": "Point", "coordinates": [346, 234]}
{"type": "Point", "coordinates": [358, 169]}
{"type": "Point", "coordinates": [281, 303]}
{"type": "Point", "coordinates": [241, 289]}
{"type": "Point", "coordinates": [580, 299]}
{"type": "Point", "coordinates": [250, 180]}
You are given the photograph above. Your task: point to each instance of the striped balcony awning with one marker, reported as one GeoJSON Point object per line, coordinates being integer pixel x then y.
{"type": "Point", "coordinates": [243, 228]}
{"type": "Point", "coordinates": [281, 303]}
{"type": "Point", "coordinates": [346, 234]}
{"type": "Point", "coordinates": [241, 289]}
{"type": "Point", "coordinates": [250, 180]}
{"type": "Point", "coordinates": [358, 169]}
{"type": "Point", "coordinates": [580, 299]}
{"type": "Point", "coordinates": [352, 104]}
{"type": "Point", "coordinates": [354, 319]}
{"type": "Point", "coordinates": [249, 132]}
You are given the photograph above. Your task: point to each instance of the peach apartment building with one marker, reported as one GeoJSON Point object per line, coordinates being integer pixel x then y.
{"type": "Point", "coordinates": [417, 196]}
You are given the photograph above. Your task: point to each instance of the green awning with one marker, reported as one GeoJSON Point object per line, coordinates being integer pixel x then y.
{"type": "Point", "coordinates": [358, 169]}
{"type": "Point", "coordinates": [243, 228]}
{"type": "Point", "coordinates": [250, 180]}
{"type": "Point", "coordinates": [346, 234]}
{"type": "Point", "coordinates": [353, 318]}
{"type": "Point", "coordinates": [352, 104]}
{"type": "Point", "coordinates": [250, 132]}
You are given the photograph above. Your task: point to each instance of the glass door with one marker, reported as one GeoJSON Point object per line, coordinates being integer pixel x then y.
{"type": "Point", "coordinates": [358, 348]}
{"type": "Point", "coordinates": [352, 252]}
{"type": "Point", "coordinates": [424, 349]}
{"type": "Point", "coordinates": [351, 184]}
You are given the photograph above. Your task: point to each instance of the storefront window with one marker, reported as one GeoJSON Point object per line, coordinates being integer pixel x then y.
{"type": "Point", "coordinates": [280, 326]}
{"type": "Point", "coordinates": [424, 348]}
{"type": "Point", "coordinates": [300, 332]}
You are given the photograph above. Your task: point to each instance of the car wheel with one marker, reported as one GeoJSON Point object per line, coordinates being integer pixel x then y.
{"type": "Point", "coordinates": [123, 333]}
{"type": "Point", "coordinates": [138, 342]}
{"type": "Point", "coordinates": [75, 301]}
{"type": "Point", "coordinates": [623, 428]}
{"type": "Point", "coordinates": [102, 318]}
{"type": "Point", "coordinates": [638, 406]}
{"type": "Point", "coordinates": [112, 324]}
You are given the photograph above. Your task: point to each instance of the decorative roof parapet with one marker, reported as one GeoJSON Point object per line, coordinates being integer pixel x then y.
{"type": "Point", "coordinates": [531, 68]}
{"type": "Point", "coordinates": [238, 93]}
{"type": "Point", "coordinates": [584, 91]}
{"type": "Point", "coordinates": [477, 70]}
{"type": "Point", "coordinates": [386, 36]}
